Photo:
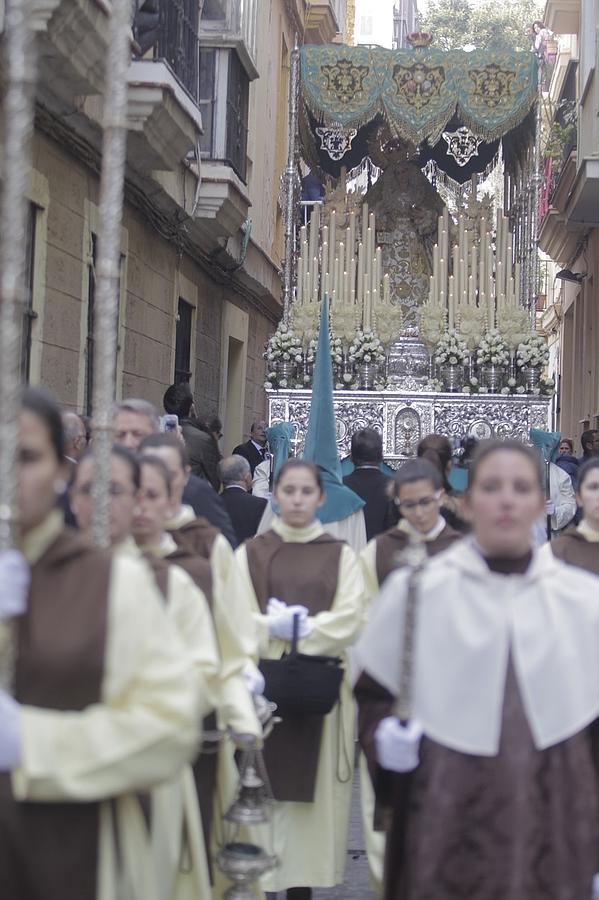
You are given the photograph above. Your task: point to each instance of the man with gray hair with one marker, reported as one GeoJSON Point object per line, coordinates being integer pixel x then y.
{"type": "Point", "coordinates": [74, 437]}
{"type": "Point", "coordinates": [244, 509]}
{"type": "Point", "coordinates": [135, 419]}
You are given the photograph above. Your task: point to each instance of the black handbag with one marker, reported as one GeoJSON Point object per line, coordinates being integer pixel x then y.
{"type": "Point", "coordinates": [301, 684]}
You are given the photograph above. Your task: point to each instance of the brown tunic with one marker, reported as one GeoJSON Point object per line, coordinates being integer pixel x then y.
{"type": "Point", "coordinates": [305, 573]}
{"type": "Point", "coordinates": [196, 537]}
{"type": "Point", "coordinates": [48, 851]}
{"type": "Point", "coordinates": [390, 544]}
{"type": "Point", "coordinates": [522, 825]}
{"type": "Point", "coordinates": [573, 548]}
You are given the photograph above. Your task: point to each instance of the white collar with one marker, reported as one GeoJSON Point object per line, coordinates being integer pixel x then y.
{"type": "Point", "coordinates": [166, 546]}
{"type": "Point", "coordinates": [232, 487]}
{"type": "Point", "coordinates": [258, 446]}
{"type": "Point", "coordinates": [587, 532]}
{"type": "Point", "coordinates": [431, 535]}
{"type": "Point", "coordinates": [297, 535]}
{"type": "Point", "coordinates": [183, 517]}
{"type": "Point", "coordinates": [470, 620]}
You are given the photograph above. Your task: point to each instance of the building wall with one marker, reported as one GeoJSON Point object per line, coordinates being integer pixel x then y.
{"type": "Point", "coordinates": [580, 346]}
{"type": "Point", "coordinates": [374, 22]}
{"type": "Point", "coordinates": [153, 276]}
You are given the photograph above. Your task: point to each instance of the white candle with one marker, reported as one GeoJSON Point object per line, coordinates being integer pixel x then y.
{"type": "Point", "coordinates": [345, 288]}
{"type": "Point", "coordinates": [324, 277]}
{"type": "Point", "coordinates": [379, 268]}
{"type": "Point", "coordinates": [314, 286]}
{"type": "Point", "coordinates": [500, 288]}
{"type": "Point", "coordinates": [451, 303]}
{"type": "Point", "coordinates": [455, 269]}
{"type": "Point", "coordinates": [367, 311]}
{"type": "Point", "coordinates": [364, 221]}
{"type": "Point", "coordinates": [352, 281]}
{"type": "Point", "coordinates": [332, 239]}
{"type": "Point", "coordinates": [368, 260]}
{"type": "Point", "coordinates": [387, 290]}
{"type": "Point", "coordinates": [300, 280]}
{"type": "Point", "coordinates": [352, 234]}
{"type": "Point", "coordinates": [360, 273]}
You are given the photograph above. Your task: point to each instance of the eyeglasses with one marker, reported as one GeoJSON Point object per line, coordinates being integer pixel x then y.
{"type": "Point", "coordinates": [424, 502]}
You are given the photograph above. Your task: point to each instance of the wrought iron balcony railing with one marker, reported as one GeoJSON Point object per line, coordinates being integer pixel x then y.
{"type": "Point", "coordinates": [168, 29]}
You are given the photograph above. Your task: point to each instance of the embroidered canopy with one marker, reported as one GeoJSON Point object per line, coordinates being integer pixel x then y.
{"type": "Point", "coordinates": [418, 91]}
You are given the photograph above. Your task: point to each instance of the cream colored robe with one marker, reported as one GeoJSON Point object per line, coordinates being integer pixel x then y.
{"type": "Point", "coordinates": [311, 838]}
{"type": "Point", "coordinates": [142, 733]}
{"type": "Point", "coordinates": [175, 807]}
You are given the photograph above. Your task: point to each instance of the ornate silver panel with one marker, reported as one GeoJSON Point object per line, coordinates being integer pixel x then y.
{"type": "Point", "coordinates": [403, 418]}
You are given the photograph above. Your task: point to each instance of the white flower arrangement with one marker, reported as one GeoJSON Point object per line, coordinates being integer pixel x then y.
{"type": "Point", "coordinates": [434, 385]}
{"type": "Point", "coordinates": [283, 346]}
{"type": "Point", "coordinates": [513, 324]}
{"type": "Point", "coordinates": [451, 350]}
{"type": "Point", "coordinates": [367, 348]}
{"type": "Point", "coordinates": [492, 350]}
{"type": "Point", "coordinates": [532, 352]}
{"type": "Point", "coordinates": [336, 349]}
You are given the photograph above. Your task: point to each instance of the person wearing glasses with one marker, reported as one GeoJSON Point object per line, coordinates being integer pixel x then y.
{"type": "Point", "coordinates": [417, 491]}
{"type": "Point", "coordinates": [418, 494]}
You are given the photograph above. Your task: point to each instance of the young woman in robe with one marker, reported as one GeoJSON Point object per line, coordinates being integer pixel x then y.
{"type": "Point", "coordinates": [232, 699]}
{"type": "Point", "coordinates": [579, 545]}
{"type": "Point", "coordinates": [418, 493]}
{"type": "Point", "coordinates": [492, 784]}
{"type": "Point", "coordinates": [296, 568]}
{"type": "Point", "coordinates": [105, 701]}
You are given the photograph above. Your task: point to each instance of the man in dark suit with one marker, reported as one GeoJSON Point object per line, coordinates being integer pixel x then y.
{"type": "Point", "coordinates": [254, 450]}
{"type": "Point", "coordinates": [367, 480]}
{"type": "Point", "coordinates": [244, 510]}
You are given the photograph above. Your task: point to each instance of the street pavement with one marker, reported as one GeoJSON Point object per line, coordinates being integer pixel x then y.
{"type": "Point", "coordinates": [355, 886]}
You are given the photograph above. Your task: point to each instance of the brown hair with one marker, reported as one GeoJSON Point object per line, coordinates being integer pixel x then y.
{"type": "Point", "coordinates": [437, 450]}
{"type": "Point", "coordinates": [488, 448]}
{"type": "Point", "coordinates": [585, 470]}
{"type": "Point", "coordinates": [415, 470]}
{"type": "Point", "coordinates": [157, 463]}
{"type": "Point", "coordinates": [291, 464]}
{"type": "Point", "coordinates": [163, 439]}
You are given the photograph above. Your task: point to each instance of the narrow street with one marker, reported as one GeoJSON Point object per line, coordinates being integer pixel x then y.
{"type": "Point", "coordinates": [356, 885]}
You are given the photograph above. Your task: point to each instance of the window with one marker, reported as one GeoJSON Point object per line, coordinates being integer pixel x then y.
{"type": "Point", "coordinates": [237, 116]}
{"type": "Point", "coordinates": [224, 101]}
{"type": "Point", "coordinates": [207, 98]}
{"type": "Point", "coordinates": [29, 315]}
{"type": "Point", "coordinates": [366, 26]}
{"type": "Point", "coordinates": [183, 341]}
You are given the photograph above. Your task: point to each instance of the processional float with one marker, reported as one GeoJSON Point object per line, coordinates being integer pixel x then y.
{"type": "Point", "coordinates": [432, 309]}
{"type": "Point", "coordinates": [242, 862]}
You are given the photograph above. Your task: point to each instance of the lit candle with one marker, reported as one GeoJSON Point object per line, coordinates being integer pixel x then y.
{"type": "Point", "coordinates": [387, 290]}
{"type": "Point", "coordinates": [455, 270]}
{"type": "Point", "coordinates": [324, 277]}
{"type": "Point", "coordinates": [379, 268]}
{"type": "Point", "coordinates": [364, 221]}
{"type": "Point", "coordinates": [300, 280]}
{"type": "Point", "coordinates": [345, 288]}
{"type": "Point", "coordinates": [352, 234]}
{"type": "Point", "coordinates": [315, 285]}
{"type": "Point", "coordinates": [451, 303]}
{"type": "Point", "coordinates": [367, 311]}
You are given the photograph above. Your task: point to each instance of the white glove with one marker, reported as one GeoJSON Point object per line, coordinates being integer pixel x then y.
{"type": "Point", "coordinates": [253, 679]}
{"type": "Point", "coordinates": [595, 887]}
{"type": "Point", "coordinates": [280, 620]}
{"type": "Point", "coordinates": [15, 576]}
{"type": "Point", "coordinates": [397, 745]}
{"type": "Point", "coordinates": [10, 733]}
{"type": "Point", "coordinates": [550, 507]}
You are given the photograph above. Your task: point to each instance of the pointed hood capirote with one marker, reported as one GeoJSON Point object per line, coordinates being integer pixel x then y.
{"type": "Point", "coordinates": [321, 438]}
{"type": "Point", "coordinates": [279, 438]}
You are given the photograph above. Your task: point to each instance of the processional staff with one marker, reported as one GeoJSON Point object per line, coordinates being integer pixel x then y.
{"type": "Point", "coordinates": [114, 148]}
{"type": "Point", "coordinates": [20, 69]}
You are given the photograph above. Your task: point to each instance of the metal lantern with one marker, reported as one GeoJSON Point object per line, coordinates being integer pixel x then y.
{"type": "Point", "coordinates": [243, 862]}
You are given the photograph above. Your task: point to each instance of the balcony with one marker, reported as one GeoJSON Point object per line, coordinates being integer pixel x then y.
{"type": "Point", "coordinates": [232, 24]}
{"type": "Point", "coordinates": [562, 16]}
{"type": "Point", "coordinates": [321, 23]}
{"type": "Point", "coordinates": [72, 41]}
{"type": "Point", "coordinates": [583, 199]}
{"type": "Point", "coordinates": [165, 123]}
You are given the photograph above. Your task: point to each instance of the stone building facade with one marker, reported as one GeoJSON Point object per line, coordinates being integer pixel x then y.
{"type": "Point", "coordinates": [569, 232]}
{"type": "Point", "coordinates": [201, 242]}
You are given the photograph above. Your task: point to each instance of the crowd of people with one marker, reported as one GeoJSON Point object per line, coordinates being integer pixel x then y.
{"type": "Point", "coordinates": [133, 676]}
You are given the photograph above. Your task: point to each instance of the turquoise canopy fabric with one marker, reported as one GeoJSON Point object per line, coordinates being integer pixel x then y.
{"type": "Point", "coordinates": [418, 91]}
{"type": "Point", "coordinates": [321, 437]}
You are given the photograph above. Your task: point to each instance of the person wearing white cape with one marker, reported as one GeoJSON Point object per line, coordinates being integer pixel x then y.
{"type": "Point", "coordinates": [492, 785]}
